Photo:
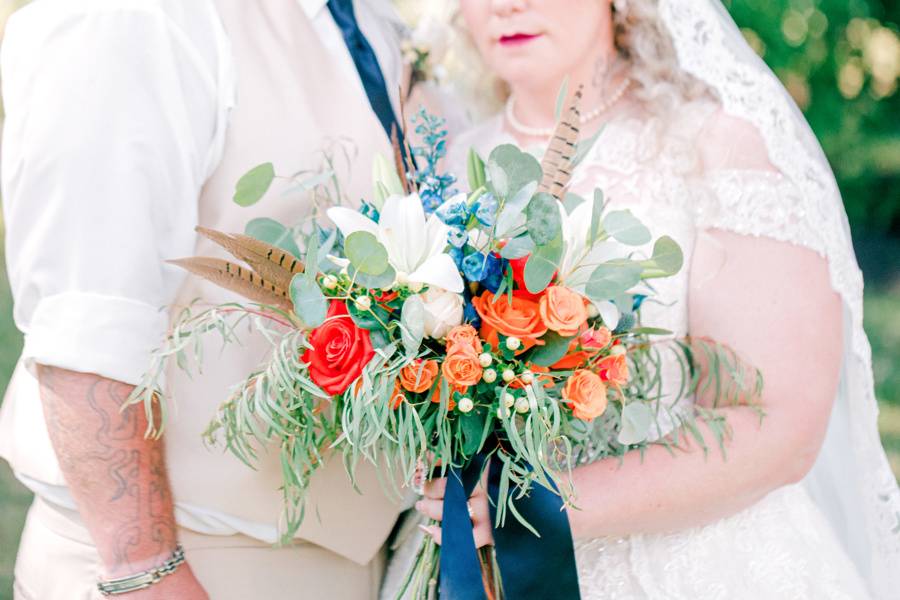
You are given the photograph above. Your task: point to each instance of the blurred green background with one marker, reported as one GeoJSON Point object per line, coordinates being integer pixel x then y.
{"type": "Point", "coordinates": [840, 59]}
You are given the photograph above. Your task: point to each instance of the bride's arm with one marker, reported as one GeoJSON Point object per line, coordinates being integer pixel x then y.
{"type": "Point", "coordinates": [773, 303]}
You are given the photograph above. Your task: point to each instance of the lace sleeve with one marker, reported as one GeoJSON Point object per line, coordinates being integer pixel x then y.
{"type": "Point", "coordinates": [758, 203]}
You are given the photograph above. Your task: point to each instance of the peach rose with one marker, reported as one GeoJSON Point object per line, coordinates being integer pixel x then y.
{"type": "Point", "coordinates": [614, 369]}
{"type": "Point", "coordinates": [519, 318]}
{"type": "Point", "coordinates": [563, 310]}
{"type": "Point", "coordinates": [419, 375]}
{"type": "Point", "coordinates": [596, 339]}
{"type": "Point", "coordinates": [463, 336]}
{"type": "Point", "coordinates": [461, 366]}
{"type": "Point", "coordinates": [585, 393]}
{"type": "Point", "coordinates": [397, 397]}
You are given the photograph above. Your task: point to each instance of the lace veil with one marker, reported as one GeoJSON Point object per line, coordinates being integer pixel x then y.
{"type": "Point", "coordinates": [851, 481]}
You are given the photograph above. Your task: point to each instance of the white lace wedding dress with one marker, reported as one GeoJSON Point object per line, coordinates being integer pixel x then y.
{"type": "Point", "coordinates": [780, 548]}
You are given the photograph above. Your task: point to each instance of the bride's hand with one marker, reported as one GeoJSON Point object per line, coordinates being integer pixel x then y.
{"type": "Point", "coordinates": [432, 506]}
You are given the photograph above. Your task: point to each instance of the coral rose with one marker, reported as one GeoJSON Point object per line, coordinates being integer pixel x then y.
{"type": "Point", "coordinates": [585, 393]}
{"type": "Point", "coordinates": [519, 318]}
{"type": "Point", "coordinates": [461, 367]}
{"type": "Point", "coordinates": [463, 336]}
{"type": "Point", "coordinates": [563, 310]}
{"type": "Point", "coordinates": [339, 350]}
{"type": "Point", "coordinates": [418, 376]}
{"type": "Point", "coordinates": [614, 369]}
{"type": "Point", "coordinates": [596, 339]}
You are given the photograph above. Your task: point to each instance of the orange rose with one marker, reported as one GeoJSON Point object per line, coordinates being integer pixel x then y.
{"type": "Point", "coordinates": [418, 376]}
{"type": "Point", "coordinates": [519, 318]}
{"type": "Point", "coordinates": [463, 336]}
{"type": "Point", "coordinates": [397, 397]}
{"type": "Point", "coordinates": [586, 395]}
{"type": "Point", "coordinates": [614, 369]}
{"type": "Point", "coordinates": [562, 310]}
{"type": "Point", "coordinates": [461, 367]}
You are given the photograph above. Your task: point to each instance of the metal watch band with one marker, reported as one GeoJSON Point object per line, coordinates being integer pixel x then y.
{"type": "Point", "coordinates": [140, 581]}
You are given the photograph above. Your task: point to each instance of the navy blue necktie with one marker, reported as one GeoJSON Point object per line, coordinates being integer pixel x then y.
{"type": "Point", "coordinates": [367, 66]}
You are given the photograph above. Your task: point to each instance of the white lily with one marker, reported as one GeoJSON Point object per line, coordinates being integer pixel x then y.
{"type": "Point", "coordinates": [580, 259]}
{"type": "Point", "coordinates": [415, 245]}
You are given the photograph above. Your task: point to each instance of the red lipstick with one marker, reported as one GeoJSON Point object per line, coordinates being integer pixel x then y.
{"type": "Point", "coordinates": [518, 39]}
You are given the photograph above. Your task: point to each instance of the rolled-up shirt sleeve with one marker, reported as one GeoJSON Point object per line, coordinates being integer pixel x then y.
{"type": "Point", "coordinates": [111, 116]}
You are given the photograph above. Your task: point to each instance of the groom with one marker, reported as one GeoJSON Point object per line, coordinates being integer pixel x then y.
{"type": "Point", "coordinates": [128, 124]}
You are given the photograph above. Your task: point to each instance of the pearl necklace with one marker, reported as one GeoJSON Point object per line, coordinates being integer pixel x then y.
{"type": "Point", "coordinates": [584, 119]}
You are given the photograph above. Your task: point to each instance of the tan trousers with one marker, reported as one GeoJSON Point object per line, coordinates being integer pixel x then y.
{"type": "Point", "coordinates": [57, 561]}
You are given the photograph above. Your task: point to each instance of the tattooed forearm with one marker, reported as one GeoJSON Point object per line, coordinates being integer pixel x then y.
{"type": "Point", "coordinates": [118, 477]}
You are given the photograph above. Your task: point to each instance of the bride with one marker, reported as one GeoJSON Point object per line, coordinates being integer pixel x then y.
{"type": "Point", "coordinates": [700, 140]}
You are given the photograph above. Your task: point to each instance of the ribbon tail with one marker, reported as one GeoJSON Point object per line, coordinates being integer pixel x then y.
{"type": "Point", "coordinates": [530, 566]}
{"type": "Point", "coordinates": [460, 572]}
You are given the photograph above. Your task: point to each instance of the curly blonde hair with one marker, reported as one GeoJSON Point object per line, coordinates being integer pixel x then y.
{"type": "Point", "coordinates": [640, 36]}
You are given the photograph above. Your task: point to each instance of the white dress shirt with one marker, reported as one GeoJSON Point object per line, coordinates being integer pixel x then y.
{"type": "Point", "coordinates": [116, 114]}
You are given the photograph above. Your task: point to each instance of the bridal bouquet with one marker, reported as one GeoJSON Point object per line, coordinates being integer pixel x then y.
{"type": "Point", "coordinates": [499, 325]}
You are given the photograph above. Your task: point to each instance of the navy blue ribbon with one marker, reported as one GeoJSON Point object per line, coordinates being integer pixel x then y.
{"type": "Point", "coordinates": [530, 567]}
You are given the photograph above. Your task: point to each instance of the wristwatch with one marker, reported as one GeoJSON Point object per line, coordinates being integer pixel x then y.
{"type": "Point", "coordinates": [145, 579]}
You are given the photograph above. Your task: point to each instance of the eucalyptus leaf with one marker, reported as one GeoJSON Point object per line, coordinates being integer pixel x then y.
{"type": "Point", "coordinates": [585, 146]}
{"type": "Point", "coordinates": [624, 227]}
{"type": "Point", "coordinates": [612, 279]}
{"type": "Point", "coordinates": [518, 247]}
{"type": "Point", "coordinates": [274, 233]}
{"type": "Point", "coordinates": [636, 422]}
{"type": "Point", "coordinates": [543, 219]}
{"type": "Point", "coordinates": [572, 201]}
{"type": "Point", "coordinates": [373, 282]}
{"type": "Point", "coordinates": [366, 253]}
{"type": "Point", "coordinates": [554, 348]}
{"type": "Point", "coordinates": [254, 184]}
{"type": "Point", "coordinates": [327, 246]}
{"type": "Point", "coordinates": [542, 266]}
{"type": "Point", "coordinates": [667, 255]}
{"type": "Point", "coordinates": [511, 170]}
{"type": "Point", "coordinates": [310, 303]}
{"type": "Point", "coordinates": [596, 216]}
{"type": "Point", "coordinates": [512, 214]}
{"type": "Point", "coordinates": [312, 257]}
{"type": "Point", "coordinates": [412, 318]}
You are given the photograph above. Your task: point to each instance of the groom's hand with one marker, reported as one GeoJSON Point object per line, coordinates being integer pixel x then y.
{"type": "Point", "coordinates": [432, 506]}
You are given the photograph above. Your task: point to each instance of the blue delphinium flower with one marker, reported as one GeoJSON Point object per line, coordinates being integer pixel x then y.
{"type": "Point", "coordinates": [457, 237]}
{"type": "Point", "coordinates": [486, 211]}
{"type": "Point", "coordinates": [369, 210]}
{"type": "Point", "coordinates": [434, 187]}
{"type": "Point", "coordinates": [474, 267]}
{"type": "Point", "coordinates": [454, 212]}
{"type": "Point", "coordinates": [493, 273]}
{"type": "Point", "coordinates": [457, 255]}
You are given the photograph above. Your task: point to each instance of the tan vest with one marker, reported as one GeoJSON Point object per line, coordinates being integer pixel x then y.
{"type": "Point", "coordinates": [292, 102]}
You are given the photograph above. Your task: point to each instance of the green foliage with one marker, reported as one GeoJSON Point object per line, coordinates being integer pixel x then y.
{"type": "Point", "coordinates": [274, 233]}
{"type": "Point", "coordinates": [840, 59]}
{"type": "Point", "coordinates": [254, 184]}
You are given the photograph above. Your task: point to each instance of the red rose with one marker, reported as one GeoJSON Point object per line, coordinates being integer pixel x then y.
{"type": "Point", "coordinates": [339, 351]}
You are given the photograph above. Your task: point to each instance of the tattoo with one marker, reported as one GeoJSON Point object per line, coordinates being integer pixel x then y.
{"type": "Point", "coordinates": [114, 472]}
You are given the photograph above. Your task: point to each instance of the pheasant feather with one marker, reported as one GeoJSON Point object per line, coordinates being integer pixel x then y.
{"type": "Point", "coordinates": [236, 278]}
{"type": "Point", "coordinates": [558, 160]}
{"type": "Point", "coordinates": [270, 262]}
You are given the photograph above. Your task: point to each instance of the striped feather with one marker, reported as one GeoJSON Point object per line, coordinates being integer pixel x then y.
{"type": "Point", "coordinates": [236, 278]}
{"type": "Point", "coordinates": [557, 163]}
{"type": "Point", "coordinates": [270, 262]}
